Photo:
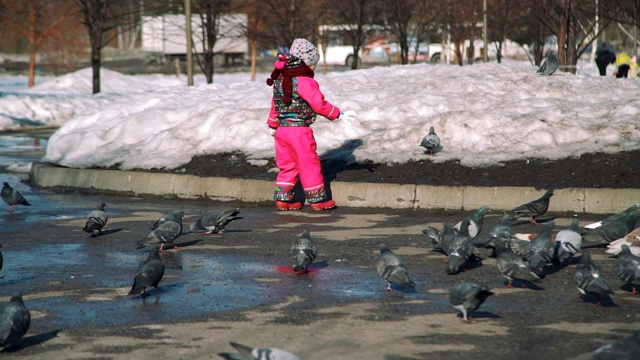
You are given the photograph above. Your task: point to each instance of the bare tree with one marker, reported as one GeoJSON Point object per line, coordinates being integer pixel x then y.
{"type": "Point", "coordinates": [210, 13]}
{"type": "Point", "coordinates": [36, 20]}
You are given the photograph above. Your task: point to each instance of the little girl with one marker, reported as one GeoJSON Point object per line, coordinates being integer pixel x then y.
{"type": "Point", "coordinates": [296, 101]}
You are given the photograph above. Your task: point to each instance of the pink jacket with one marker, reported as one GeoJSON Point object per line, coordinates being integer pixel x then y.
{"type": "Point", "coordinates": [309, 90]}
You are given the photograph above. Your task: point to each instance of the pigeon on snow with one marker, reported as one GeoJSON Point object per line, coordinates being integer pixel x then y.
{"type": "Point", "coordinates": [475, 225]}
{"type": "Point", "coordinates": [303, 252]}
{"type": "Point", "coordinates": [624, 349]}
{"type": "Point", "coordinates": [590, 279]}
{"type": "Point", "coordinates": [15, 319]}
{"type": "Point", "coordinates": [549, 65]}
{"type": "Point", "coordinates": [392, 268]}
{"type": "Point", "coordinates": [534, 208]}
{"type": "Point", "coordinates": [214, 223]}
{"type": "Point", "coordinates": [175, 215]}
{"type": "Point", "coordinates": [461, 249]}
{"type": "Point", "coordinates": [467, 298]}
{"type": "Point", "coordinates": [541, 248]}
{"type": "Point", "coordinates": [248, 353]}
{"type": "Point", "coordinates": [513, 267]}
{"type": "Point", "coordinates": [431, 142]}
{"type": "Point", "coordinates": [568, 242]}
{"type": "Point", "coordinates": [164, 234]}
{"type": "Point", "coordinates": [12, 197]}
{"type": "Point", "coordinates": [628, 268]}
{"type": "Point", "coordinates": [149, 273]}
{"type": "Point", "coordinates": [632, 240]}
{"type": "Point", "coordinates": [96, 220]}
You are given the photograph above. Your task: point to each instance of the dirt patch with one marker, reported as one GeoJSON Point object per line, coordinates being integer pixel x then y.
{"type": "Point", "coordinates": [620, 170]}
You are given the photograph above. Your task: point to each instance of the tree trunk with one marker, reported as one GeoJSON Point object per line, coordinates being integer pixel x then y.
{"type": "Point", "coordinates": [95, 66]}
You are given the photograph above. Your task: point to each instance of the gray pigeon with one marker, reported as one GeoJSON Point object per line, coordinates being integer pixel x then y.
{"type": "Point", "coordinates": [392, 268]}
{"type": "Point", "coordinates": [502, 230]}
{"type": "Point", "coordinates": [624, 349]}
{"type": "Point", "coordinates": [248, 353]}
{"type": "Point", "coordinates": [431, 142]}
{"type": "Point", "coordinates": [568, 242]}
{"type": "Point", "coordinates": [303, 252]}
{"type": "Point", "coordinates": [96, 220]}
{"type": "Point", "coordinates": [467, 298]}
{"type": "Point", "coordinates": [15, 319]}
{"type": "Point", "coordinates": [590, 278]}
{"type": "Point", "coordinates": [164, 234]}
{"type": "Point", "coordinates": [475, 226]}
{"type": "Point", "coordinates": [549, 65]}
{"type": "Point", "coordinates": [534, 208]}
{"type": "Point", "coordinates": [618, 225]}
{"type": "Point", "coordinates": [512, 267]}
{"type": "Point", "coordinates": [12, 197]}
{"type": "Point", "coordinates": [174, 215]}
{"type": "Point", "coordinates": [443, 238]}
{"type": "Point", "coordinates": [628, 267]}
{"type": "Point", "coordinates": [541, 249]}
{"type": "Point", "coordinates": [149, 273]}
{"type": "Point", "coordinates": [215, 222]}
{"type": "Point", "coordinates": [461, 249]}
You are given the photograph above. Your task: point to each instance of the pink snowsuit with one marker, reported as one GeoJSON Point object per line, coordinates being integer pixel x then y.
{"type": "Point", "coordinates": [292, 114]}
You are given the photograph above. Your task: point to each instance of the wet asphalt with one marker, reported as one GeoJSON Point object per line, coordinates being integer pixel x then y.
{"type": "Point", "coordinates": [77, 285]}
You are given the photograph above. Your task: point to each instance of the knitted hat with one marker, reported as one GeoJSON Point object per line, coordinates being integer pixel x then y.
{"type": "Point", "coordinates": [305, 51]}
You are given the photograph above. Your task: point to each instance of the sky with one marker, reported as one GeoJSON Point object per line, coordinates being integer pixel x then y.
{"type": "Point", "coordinates": [484, 114]}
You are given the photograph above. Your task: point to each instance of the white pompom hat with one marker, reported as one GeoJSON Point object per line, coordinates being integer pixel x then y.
{"type": "Point", "coordinates": [304, 50]}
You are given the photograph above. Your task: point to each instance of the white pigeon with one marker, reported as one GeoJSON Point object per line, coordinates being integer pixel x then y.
{"type": "Point", "coordinates": [568, 242]}
{"type": "Point", "coordinates": [632, 240]}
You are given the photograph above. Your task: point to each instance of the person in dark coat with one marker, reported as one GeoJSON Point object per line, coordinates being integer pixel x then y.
{"type": "Point", "coordinates": [604, 58]}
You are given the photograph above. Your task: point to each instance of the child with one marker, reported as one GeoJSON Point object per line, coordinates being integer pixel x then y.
{"type": "Point", "coordinates": [296, 101]}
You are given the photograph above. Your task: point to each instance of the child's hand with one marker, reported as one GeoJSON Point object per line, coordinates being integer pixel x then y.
{"type": "Point", "coordinates": [347, 115]}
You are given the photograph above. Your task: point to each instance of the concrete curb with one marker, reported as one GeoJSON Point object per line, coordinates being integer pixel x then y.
{"type": "Point", "coordinates": [396, 196]}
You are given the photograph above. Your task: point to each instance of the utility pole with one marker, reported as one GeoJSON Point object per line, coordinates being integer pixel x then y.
{"type": "Point", "coordinates": [485, 55]}
{"type": "Point", "coordinates": [187, 13]}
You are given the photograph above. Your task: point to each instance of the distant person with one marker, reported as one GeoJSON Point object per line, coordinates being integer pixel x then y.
{"type": "Point", "coordinates": [296, 101]}
{"type": "Point", "coordinates": [623, 63]}
{"type": "Point", "coordinates": [605, 57]}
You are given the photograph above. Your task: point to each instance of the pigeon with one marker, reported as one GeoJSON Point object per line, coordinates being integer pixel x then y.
{"type": "Point", "coordinates": [619, 215]}
{"type": "Point", "coordinates": [632, 240]}
{"type": "Point", "coordinates": [624, 349]}
{"type": "Point", "coordinates": [303, 252]}
{"type": "Point", "coordinates": [568, 242]}
{"type": "Point", "coordinates": [14, 320]}
{"type": "Point", "coordinates": [174, 215]}
{"type": "Point", "coordinates": [431, 142]}
{"type": "Point", "coordinates": [541, 249]}
{"type": "Point", "coordinates": [461, 249]}
{"type": "Point", "coordinates": [549, 65]}
{"type": "Point", "coordinates": [513, 267]}
{"type": "Point", "coordinates": [215, 222]}
{"type": "Point", "coordinates": [502, 230]}
{"type": "Point", "coordinates": [475, 226]}
{"type": "Point", "coordinates": [247, 353]}
{"type": "Point", "coordinates": [467, 298]}
{"type": "Point", "coordinates": [164, 234]}
{"type": "Point", "coordinates": [12, 197]}
{"type": "Point", "coordinates": [443, 238]}
{"type": "Point", "coordinates": [392, 268]}
{"type": "Point", "coordinates": [628, 268]}
{"type": "Point", "coordinates": [615, 226]}
{"type": "Point", "coordinates": [149, 273]}
{"type": "Point", "coordinates": [590, 278]}
{"type": "Point", "coordinates": [534, 208]}
{"type": "Point", "coordinates": [96, 220]}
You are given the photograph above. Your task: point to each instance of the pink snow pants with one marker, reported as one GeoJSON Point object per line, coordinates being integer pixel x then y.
{"type": "Point", "coordinates": [296, 158]}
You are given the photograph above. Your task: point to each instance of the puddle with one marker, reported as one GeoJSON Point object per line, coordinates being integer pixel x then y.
{"type": "Point", "coordinates": [63, 282]}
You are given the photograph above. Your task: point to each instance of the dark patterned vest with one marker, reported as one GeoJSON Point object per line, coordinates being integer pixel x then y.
{"type": "Point", "coordinates": [298, 113]}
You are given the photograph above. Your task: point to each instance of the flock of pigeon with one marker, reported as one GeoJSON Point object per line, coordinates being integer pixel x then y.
{"type": "Point", "coordinates": [519, 257]}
